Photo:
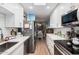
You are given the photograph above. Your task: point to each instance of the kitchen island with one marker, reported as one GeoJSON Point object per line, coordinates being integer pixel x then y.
{"type": "Point", "coordinates": [16, 49]}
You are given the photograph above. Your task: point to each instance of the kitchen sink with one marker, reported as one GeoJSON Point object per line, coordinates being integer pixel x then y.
{"type": "Point", "coordinates": [6, 46]}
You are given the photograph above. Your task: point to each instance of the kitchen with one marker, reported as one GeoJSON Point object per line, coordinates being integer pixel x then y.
{"type": "Point", "coordinates": [25, 30]}
{"type": "Point", "coordinates": [12, 42]}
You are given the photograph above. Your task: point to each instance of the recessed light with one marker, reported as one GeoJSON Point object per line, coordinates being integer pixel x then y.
{"type": "Point", "coordinates": [48, 7]}
{"type": "Point", "coordinates": [62, 7]}
{"type": "Point", "coordinates": [31, 7]}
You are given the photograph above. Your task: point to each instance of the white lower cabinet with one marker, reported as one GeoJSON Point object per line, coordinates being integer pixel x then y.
{"type": "Point", "coordinates": [18, 51]}
{"type": "Point", "coordinates": [50, 45]}
{"type": "Point", "coordinates": [51, 50]}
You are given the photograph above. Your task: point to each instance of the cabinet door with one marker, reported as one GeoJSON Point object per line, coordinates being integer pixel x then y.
{"type": "Point", "coordinates": [9, 21]}
{"type": "Point", "coordinates": [50, 44]}
{"type": "Point", "coordinates": [16, 18]}
{"type": "Point", "coordinates": [19, 17]}
{"type": "Point", "coordinates": [51, 50]}
{"type": "Point", "coordinates": [26, 47]}
{"type": "Point", "coordinates": [18, 51]}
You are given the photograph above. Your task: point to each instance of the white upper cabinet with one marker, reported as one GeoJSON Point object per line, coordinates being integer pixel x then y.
{"type": "Point", "coordinates": [16, 18]}
{"type": "Point", "coordinates": [2, 20]}
{"type": "Point", "coordinates": [19, 17]}
{"type": "Point", "coordinates": [56, 16]}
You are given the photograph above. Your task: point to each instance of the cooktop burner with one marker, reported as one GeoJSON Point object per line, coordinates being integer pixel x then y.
{"type": "Point", "coordinates": [66, 46]}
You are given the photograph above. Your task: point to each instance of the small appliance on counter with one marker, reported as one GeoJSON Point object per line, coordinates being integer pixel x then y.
{"type": "Point", "coordinates": [69, 43]}
{"type": "Point", "coordinates": [6, 39]}
{"type": "Point", "coordinates": [49, 30]}
{"type": "Point", "coordinates": [13, 33]}
{"type": "Point", "coordinates": [9, 38]}
{"type": "Point", "coordinates": [20, 30]}
{"type": "Point", "coordinates": [75, 45]}
{"type": "Point", "coordinates": [75, 41]}
{"type": "Point", "coordinates": [19, 34]}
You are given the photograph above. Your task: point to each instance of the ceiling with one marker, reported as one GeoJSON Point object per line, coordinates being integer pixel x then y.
{"type": "Point", "coordinates": [40, 10]}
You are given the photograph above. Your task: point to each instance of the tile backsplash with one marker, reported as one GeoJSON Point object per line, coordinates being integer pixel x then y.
{"type": "Point", "coordinates": [6, 31]}
{"type": "Point", "coordinates": [63, 31]}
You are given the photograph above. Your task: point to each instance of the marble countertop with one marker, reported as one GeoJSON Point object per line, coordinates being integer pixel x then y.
{"type": "Point", "coordinates": [55, 37]}
{"type": "Point", "coordinates": [20, 40]}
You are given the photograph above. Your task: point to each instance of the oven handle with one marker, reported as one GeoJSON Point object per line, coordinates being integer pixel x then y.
{"type": "Point", "coordinates": [62, 50]}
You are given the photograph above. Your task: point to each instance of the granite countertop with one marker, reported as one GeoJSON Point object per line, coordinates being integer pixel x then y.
{"type": "Point", "coordinates": [20, 40]}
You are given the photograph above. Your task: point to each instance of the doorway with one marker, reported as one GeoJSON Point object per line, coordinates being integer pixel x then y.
{"type": "Point", "coordinates": [40, 30]}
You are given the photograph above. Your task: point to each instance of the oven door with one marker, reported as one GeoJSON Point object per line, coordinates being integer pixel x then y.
{"type": "Point", "coordinates": [57, 51]}
{"type": "Point", "coordinates": [60, 50]}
